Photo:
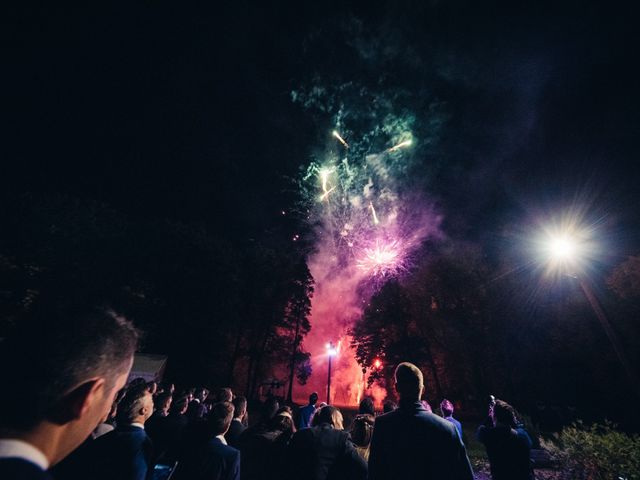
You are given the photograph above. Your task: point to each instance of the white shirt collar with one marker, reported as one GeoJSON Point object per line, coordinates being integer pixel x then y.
{"type": "Point", "coordinates": [221, 438]}
{"type": "Point", "coordinates": [12, 448]}
{"type": "Point", "coordinates": [139, 425]}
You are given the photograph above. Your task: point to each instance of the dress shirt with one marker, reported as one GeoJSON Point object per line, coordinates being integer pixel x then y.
{"type": "Point", "coordinates": [12, 448]}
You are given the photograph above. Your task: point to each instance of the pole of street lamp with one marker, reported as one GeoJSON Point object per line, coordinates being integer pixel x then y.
{"type": "Point", "coordinates": [329, 381]}
{"type": "Point", "coordinates": [613, 339]}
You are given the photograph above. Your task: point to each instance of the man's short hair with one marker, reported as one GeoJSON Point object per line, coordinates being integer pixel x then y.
{"type": "Point", "coordinates": [239, 405]}
{"type": "Point", "coordinates": [129, 407]}
{"type": "Point", "coordinates": [409, 380]}
{"type": "Point", "coordinates": [447, 408]}
{"type": "Point", "coordinates": [161, 400]}
{"type": "Point", "coordinates": [313, 398]}
{"type": "Point", "coordinates": [220, 417]}
{"type": "Point", "coordinates": [52, 352]}
{"type": "Point", "coordinates": [223, 395]}
{"type": "Point", "coordinates": [179, 405]}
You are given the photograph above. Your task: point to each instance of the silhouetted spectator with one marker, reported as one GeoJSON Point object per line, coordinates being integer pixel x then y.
{"type": "Point", "coordinates": [307, 412]}
{"type": "Point", "coordinates": [389, 406]}
{"type": "Point", "coordinates": [68, 367]}
{"type": "Point", "coordinates": [211, 457]}
{"type": "Point", "coordinates": [197, 409]}
{"type": "Point", "coordinates": [508, 448]}
{"type": "Point", "coordinates": [264, 452]}
{"type": "Point", "coordinates": [447, 413]}
{"type": "Point", "coordinates": [361, 432]}
{"type": "Point", "coordinates": [325, 452]}
{"type": "Point", "coordinates": [367, 407]}
{"type": "Point", "coordinates": [167, 436]}
{"type": "Point", "coordinates": [126, 453]}
{"type": "Point", "coordinates": [238, 424]}
{"type": "Point", "coordinates": [411, 443]}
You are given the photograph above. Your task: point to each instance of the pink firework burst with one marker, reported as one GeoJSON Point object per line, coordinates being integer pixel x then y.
{"type": "Point", "coordinates": [382, 260]}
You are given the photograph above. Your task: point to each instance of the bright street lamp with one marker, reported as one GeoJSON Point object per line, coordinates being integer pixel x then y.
{"type": "Point", "coordinates": [566, 255]}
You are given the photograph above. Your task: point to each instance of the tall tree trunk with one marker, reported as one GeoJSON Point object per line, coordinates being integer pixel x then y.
{"type": "Point", "coordinates": [292, 363]}
{"type": "Point", "coordinates": [234, 357]}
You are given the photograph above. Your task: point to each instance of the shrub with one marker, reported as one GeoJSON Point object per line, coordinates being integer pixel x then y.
{"type": "Point", "coordinates": [597, 452]}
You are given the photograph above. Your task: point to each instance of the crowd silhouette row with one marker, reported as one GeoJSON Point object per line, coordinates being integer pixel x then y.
{"type": "Point", "coordinates": [76, 419]}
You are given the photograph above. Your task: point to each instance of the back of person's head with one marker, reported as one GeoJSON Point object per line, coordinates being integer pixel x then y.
{"type": "Point", "coordinates": [362, 429]}
{"type": "Point", "coordinates": [162, 401]}
{"type": "Point", "coordinates": [223, 395]}
{"type": "Point", "coordinates": [389, 406]}
{"type": "Point", "coordinates": [447, 408]}
{"type": "Point", "coordinates": [202, 394]}
{"type": "Point", "coordinates": [330, 415]}
{"type": "Point", "coordinates": [504, 413]}
{"type": "Point", "coordinates": [313, 398]}
{"type": "Point", "coordinates": [136, 406]}
{"type": "Point", "coordinates": [269, 408]}
{"type": "Point", "coordinates": [220, 418]}
{"type": "Point", "coordinates": [366, 406]}
{"type": "Point", "coordinates": [282, 421]}
{"type": "Point", "coordinates": [409, 381]}
{"type": "Point", "coordinates": [54, 355]}
{"type": "Point", "coordinates": [240, 406]}
{"type": "Point", "coordinates": [179, 406]}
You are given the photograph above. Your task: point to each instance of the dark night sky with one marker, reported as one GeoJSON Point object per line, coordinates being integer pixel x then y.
{"type": "Point", "coordinates": [185, 112]}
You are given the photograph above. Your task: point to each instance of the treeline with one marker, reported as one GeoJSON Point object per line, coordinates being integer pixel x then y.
{"type": "Point", "coordinates": [480, 324]}
{"type": "Point", "coordinates": [227, 311]}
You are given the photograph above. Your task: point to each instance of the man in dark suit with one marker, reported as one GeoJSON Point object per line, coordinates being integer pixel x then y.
{"type": "Point", "coordinates": [60, 371]}
{"type": "Point", "coordinates": [411, 443]}
{"type": "Point", "coordinates": [209, 457]}
{"type": "Point", "coordinates": [126, 453]}
{"type": "Point", "coordinates": [237, 424]}
{"type": "Point", "coordinates": [168, 432]}
{"type": "Point", "coordinates": [197, 409]}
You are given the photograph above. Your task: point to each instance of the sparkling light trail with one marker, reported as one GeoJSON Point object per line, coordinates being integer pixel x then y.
{"type": "Point", "coordinates": [373, 214]}
{"type": "Point", "coordinates": [340, 139]}
{"type": "Point", "coordinates": [406, 143]}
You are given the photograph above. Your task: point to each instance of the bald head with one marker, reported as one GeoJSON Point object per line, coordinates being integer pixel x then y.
{"type": "Point", "coordinates": [409, 381]}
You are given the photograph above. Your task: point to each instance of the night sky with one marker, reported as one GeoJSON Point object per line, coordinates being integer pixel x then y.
{"type": "Point", "coordinates": [186, 113]}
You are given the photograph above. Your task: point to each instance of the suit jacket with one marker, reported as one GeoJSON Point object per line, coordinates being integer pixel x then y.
{"type": "Point", "coordinates": [411, 443]}
{"type": "Point", "coordinates": [196, 410]}
{"type": "Point", "coordinates": [210, 460]}
{"type": "Point", "coordinates": [324, 453]}
{"type": "Point", "coordinates": [125, 453]}
{"type": "Point", "coordinates": [233, 435]}
{"type": "Point", "coordinates": [20, 469]}
{"type": "Point", "coordinates": [166, 434]}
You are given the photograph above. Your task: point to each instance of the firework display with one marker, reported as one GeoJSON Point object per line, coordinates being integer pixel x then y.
{"type": "Point", "coordinates": [367, 225]}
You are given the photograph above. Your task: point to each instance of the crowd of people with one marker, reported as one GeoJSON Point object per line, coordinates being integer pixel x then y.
{"type": "Point", "coordinates": [76, 419]}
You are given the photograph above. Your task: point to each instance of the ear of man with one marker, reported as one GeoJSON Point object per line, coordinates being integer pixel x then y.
{"type": "Point", "coordinates": [79, 401]}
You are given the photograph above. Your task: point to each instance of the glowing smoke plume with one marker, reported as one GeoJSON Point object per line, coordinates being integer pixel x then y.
{"type": "Point", "coordinates": [367, 224]}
